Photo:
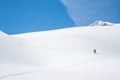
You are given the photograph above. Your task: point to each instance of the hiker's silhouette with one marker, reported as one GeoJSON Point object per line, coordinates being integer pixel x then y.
{"type": "Point", "coordinates": [94, 51]}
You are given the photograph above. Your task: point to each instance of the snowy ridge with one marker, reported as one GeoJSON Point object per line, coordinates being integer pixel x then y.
{"type": "Point", "coordinates": [102, 23]}
{"type": "Point", "coordinates": [70, 40]}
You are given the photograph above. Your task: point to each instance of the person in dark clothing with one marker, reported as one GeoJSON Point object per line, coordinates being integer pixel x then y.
{"type": "Point", "coordinates": [94, 51]}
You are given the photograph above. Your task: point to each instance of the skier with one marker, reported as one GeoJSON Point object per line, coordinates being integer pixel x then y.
{"type": "Point", "coordinates": [94, 51]}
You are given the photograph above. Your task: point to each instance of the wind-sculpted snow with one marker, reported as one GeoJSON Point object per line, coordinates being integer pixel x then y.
{"type": "Point", "coordinates": [65, 54]}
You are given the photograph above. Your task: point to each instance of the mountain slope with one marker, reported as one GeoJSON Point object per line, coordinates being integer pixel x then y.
{"type": "Point", "coordinates": [65, 54]}
{"type": "Point", "coordinates": [83, 39]}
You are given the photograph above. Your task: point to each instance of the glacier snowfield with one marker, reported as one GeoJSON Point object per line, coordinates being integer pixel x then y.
{"type": "Point", "coordinates": [63, 54]}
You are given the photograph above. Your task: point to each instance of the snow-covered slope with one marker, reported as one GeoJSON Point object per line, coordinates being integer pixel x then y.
{"type": "Point", "coordinates": [79, 39]}
{"type": "Point", "coordinates": [65, 54]}
{"type": "Point", "coordinates": [12, 49]}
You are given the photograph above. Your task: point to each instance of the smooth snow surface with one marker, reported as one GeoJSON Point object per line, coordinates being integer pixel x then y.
{"type": "Point", "coordinates": [65, 54]}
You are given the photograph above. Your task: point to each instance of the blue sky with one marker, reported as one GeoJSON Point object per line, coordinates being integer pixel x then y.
{"type": "Point", "coordinates": [21, 16]}
{"type": "Point", "coordinates": [84, 12]}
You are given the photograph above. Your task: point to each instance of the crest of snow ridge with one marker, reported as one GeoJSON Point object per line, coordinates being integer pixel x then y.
{"type": "Point", "coordinates": [101, 23]}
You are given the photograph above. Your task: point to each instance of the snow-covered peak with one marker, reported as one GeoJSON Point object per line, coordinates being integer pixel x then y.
{"type": "Point", "coordinates": [101, 23]}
